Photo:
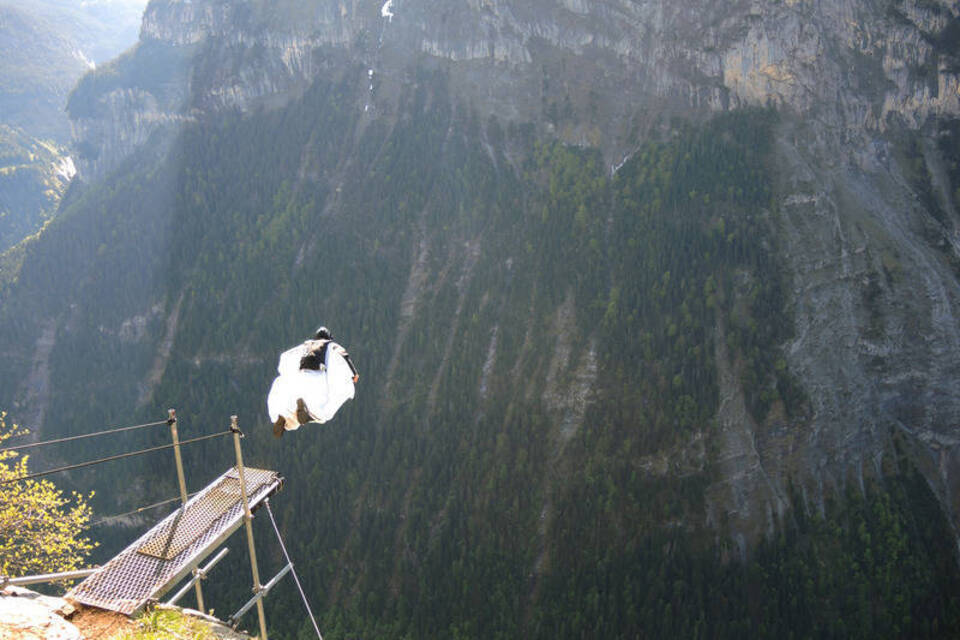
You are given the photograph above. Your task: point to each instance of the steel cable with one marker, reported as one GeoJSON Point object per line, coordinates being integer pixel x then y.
{"type": "Point", "coordinates": [292, 569]}
{"type": "Point", "coordinates": [83, 435]}
{"type": "Point", "coordinates": [138, 510]}
{"type": "Point", "coordinates": [120, 456]}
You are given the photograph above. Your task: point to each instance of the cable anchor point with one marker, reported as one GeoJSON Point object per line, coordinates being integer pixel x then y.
{"type": "Point", "coordinates": [234, 428]}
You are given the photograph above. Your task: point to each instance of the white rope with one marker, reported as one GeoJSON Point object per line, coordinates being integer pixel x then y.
{"type": "Point", "coordinates": [292, 569]}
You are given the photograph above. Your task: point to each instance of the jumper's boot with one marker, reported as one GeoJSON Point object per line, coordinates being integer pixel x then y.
{"type": "Point", "coordinates": [302, 414]}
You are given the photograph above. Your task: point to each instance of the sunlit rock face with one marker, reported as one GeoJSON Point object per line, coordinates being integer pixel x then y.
{"type": "Point", "coordinates": [28, 614]}
{"type": "Point", "coordinates": [591, 70]}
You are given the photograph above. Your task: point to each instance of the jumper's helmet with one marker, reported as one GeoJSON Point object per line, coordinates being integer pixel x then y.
{"type": "Point", "coordinates": [323, 334]}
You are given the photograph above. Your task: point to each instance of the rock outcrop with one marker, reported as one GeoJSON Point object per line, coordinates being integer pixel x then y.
{"type": "Point", "coordinates": [28, 615]}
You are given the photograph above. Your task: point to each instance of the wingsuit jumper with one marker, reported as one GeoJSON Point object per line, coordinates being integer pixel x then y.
{"type": "Point", "coordinates": [315, 379]}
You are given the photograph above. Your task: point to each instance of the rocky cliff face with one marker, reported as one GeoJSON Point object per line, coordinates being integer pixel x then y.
{"type": "Point", "coordinates": [852, 65]}
{"type": "Point", "coordinates": [594, 71]}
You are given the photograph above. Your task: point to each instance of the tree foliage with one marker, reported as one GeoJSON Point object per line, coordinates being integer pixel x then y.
{"type": "Point", "coordinates": [41, 529]}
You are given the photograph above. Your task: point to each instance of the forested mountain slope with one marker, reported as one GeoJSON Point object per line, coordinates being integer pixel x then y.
{"type": "Point", "coordinates": [47, 46]}
{"type": "Point", "coordinates": [676, 361]}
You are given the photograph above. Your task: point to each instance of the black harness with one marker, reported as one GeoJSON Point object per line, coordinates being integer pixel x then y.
{"type": "Point", "coordinates": [316, 356]}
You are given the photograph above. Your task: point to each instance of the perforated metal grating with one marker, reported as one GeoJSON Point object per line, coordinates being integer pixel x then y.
{"type": "Point", "coordinates": [163, 556]}
{"type": "Point", "coordinates": [188, 525]}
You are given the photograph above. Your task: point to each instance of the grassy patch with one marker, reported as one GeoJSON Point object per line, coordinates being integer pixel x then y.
{"type": "Point", "coordinates": [162, 624]}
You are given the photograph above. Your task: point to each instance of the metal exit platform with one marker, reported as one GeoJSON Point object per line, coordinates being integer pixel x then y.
{"type": "Point", "coordinates": [166, 554]}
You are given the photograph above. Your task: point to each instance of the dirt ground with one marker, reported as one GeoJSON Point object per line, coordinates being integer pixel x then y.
{"type": "Point", "coordinates": [98, 623]}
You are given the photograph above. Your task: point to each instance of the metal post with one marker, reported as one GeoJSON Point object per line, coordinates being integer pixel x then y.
{"type": "Point", "coordinates": [248, 521]}
{"type": "Point", "coordinates": [234, 620]}
{"type": "Point", "coordinates": [172, 421]}
{"type": "Point", "coordinates": [198, 575]}
{"type": "Point", "coordinates": [46, 577]}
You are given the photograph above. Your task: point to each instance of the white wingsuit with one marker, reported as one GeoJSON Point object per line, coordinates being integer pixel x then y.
{"type": "Point", "coordinates": [323, 392]}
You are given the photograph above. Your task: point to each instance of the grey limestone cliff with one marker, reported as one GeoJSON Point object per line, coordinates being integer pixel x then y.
{"type": "Point", "coordinates": [851, 66]}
